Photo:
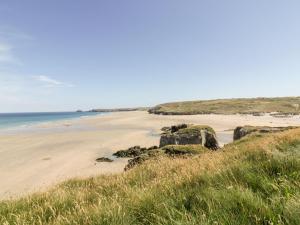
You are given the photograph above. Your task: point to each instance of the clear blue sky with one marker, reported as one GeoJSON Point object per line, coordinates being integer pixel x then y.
{"type": "Point", "coordinates": [69, 54]}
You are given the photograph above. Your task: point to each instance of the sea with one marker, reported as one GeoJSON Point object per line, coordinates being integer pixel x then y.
{"type": "Point", "coordinates": [15, 120]}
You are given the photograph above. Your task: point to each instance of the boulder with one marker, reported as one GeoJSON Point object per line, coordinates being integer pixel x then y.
{"type": "Point", "coordinates": [189, 134]}
{"type": "Point", "coordinates": [241, 132]}
{"type": "Point", "coordinates": [167, 139]}
{"type": "Point", "coordinates": [209, 140]}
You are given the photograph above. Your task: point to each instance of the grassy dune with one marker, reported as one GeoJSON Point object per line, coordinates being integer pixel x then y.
{"type": "Point", "coordinates": [231, 106]}
{"type": "Point", "coordinates": [253, 181]}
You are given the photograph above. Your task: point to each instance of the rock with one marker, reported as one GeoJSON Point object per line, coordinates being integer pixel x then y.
{"type": "Point", "coordinates": [210, 140]}
{"type": "Point", "coordinates": [174, 128]}
{"type": "Point", "coordinates": [135, 161]}
{"type": "Point", "coordinates": [170, 150]}
{"type": "Point", "coordinates": [186, 135]}
{"type": "Point", "coordinates": [133, 151]}
{"type": "Point", "coordinates": [143, 157]}
{"type": "Point", "coordinates": [153, 148]}
{"type": "Point", "coordinates": [241, 132]}
{"type": "Point", "coordinates": [104, 159]}
{"type": "Point", "coordinates": [167, 139]}
{"type": "Point", "coordinates": [178, 127]}
{"type": "Point", "coordinates": [130, 152]}
{"type": "Point", "coordinates": [181, 139]}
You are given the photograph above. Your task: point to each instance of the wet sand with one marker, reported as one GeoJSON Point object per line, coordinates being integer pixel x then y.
{"type": "Point", "coordinates": [35, 158]}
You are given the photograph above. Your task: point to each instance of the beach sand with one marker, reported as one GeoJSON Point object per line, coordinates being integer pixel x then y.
{"type": "Point", "coordinates": [38, 157]}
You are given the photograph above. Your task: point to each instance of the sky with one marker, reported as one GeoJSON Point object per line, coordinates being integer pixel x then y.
{"type": "Point", "coordinates": [62, 55]}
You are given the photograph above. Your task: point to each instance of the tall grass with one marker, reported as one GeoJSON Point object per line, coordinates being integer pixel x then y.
{"type": "Point", "coordinates": [253, 181]}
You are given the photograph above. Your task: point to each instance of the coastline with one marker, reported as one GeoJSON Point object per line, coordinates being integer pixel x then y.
{"type": "Point", "coordinates": [50, 153]}
{"type": "Point", "coordinates": [37, 125]}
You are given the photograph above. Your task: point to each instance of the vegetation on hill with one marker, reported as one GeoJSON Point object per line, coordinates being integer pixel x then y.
{"type": "Point", "coordinates": [287, 105]}
{"type": "Point", "coordinates": [255, 180]}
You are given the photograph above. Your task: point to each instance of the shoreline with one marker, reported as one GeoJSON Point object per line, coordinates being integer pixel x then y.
{"type": "Point", "coordinates": [37, 125]}
{"type": "Point", "coordinates": [38, 159]}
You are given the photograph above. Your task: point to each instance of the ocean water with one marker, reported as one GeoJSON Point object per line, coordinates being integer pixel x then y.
{"type": "Point", "coordinates": [14, 120]}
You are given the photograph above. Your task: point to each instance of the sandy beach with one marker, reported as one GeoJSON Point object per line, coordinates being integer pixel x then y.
{"type": "Point", "coordinates": [35, 158]}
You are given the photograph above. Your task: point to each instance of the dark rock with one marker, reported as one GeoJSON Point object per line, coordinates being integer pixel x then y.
{"type": "Point", "coordinates": [178, 127]}
{"type": "Point", "coordinates": [174, 128]}
{"type": "Point", "coordinates": [186, 140]}
{"type": "Point", "coordinates": [104, 159]}
{"type": "Point", "coordinates": [153, 147]}
{"type": "Point", "coordinates": [142, 158]}
{"type": "Point", "coordinates": [130, 152]}
{"type": "Point", "coordinates": [187, 135]}
{"type": "Point", "coordinates": [133, 152]}
{"type": "Point", "coordinates": [241, 132]}
{"type": "Point", "coordinates": [167, 139]}
{"type": "Point", "coordinates": [211, 141]}
{"type": "Point", "coordinates": [135, 161]}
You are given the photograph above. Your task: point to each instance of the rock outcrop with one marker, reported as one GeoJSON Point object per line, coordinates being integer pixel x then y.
{"type": "Point", "coordinates": [104, 159]}
{"type": "Point", "coordinates": [188, 134]}
{"type": "Point", "coordinates": [133, 152]}
{"type": "Point", "coordinates": [143, 157]}
{"type": "Point", "coordinates": [176, 141]}
{"type": "Point", "coordinates": [241, 132]}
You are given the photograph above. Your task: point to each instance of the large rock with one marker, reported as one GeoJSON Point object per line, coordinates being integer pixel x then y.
{"type": "Point", "coordinates": [177, 140]}
{"type": "Point", "coordinates": [241, 132]}
{"type": "Point", "coordinates": [188, 134]}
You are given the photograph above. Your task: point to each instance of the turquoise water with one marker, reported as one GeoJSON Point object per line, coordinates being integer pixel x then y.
{"type": "Point", "coordinates": [10, 120]}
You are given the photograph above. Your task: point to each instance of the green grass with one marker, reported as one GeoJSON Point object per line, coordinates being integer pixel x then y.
{"type": "Point", "coordinates": [195, 129]}
{"type": "Point", "coordinates": [184, 149]}
{"type": "Point", "coordinates": [255, 180]}
{"type": "Point", "coordinates": [231, 106]}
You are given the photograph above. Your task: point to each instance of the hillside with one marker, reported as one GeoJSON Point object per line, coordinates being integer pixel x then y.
{"type": "Point", "coordinates": [286, 105]}
{"type": "Point", "coordinates": [255, 180]}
